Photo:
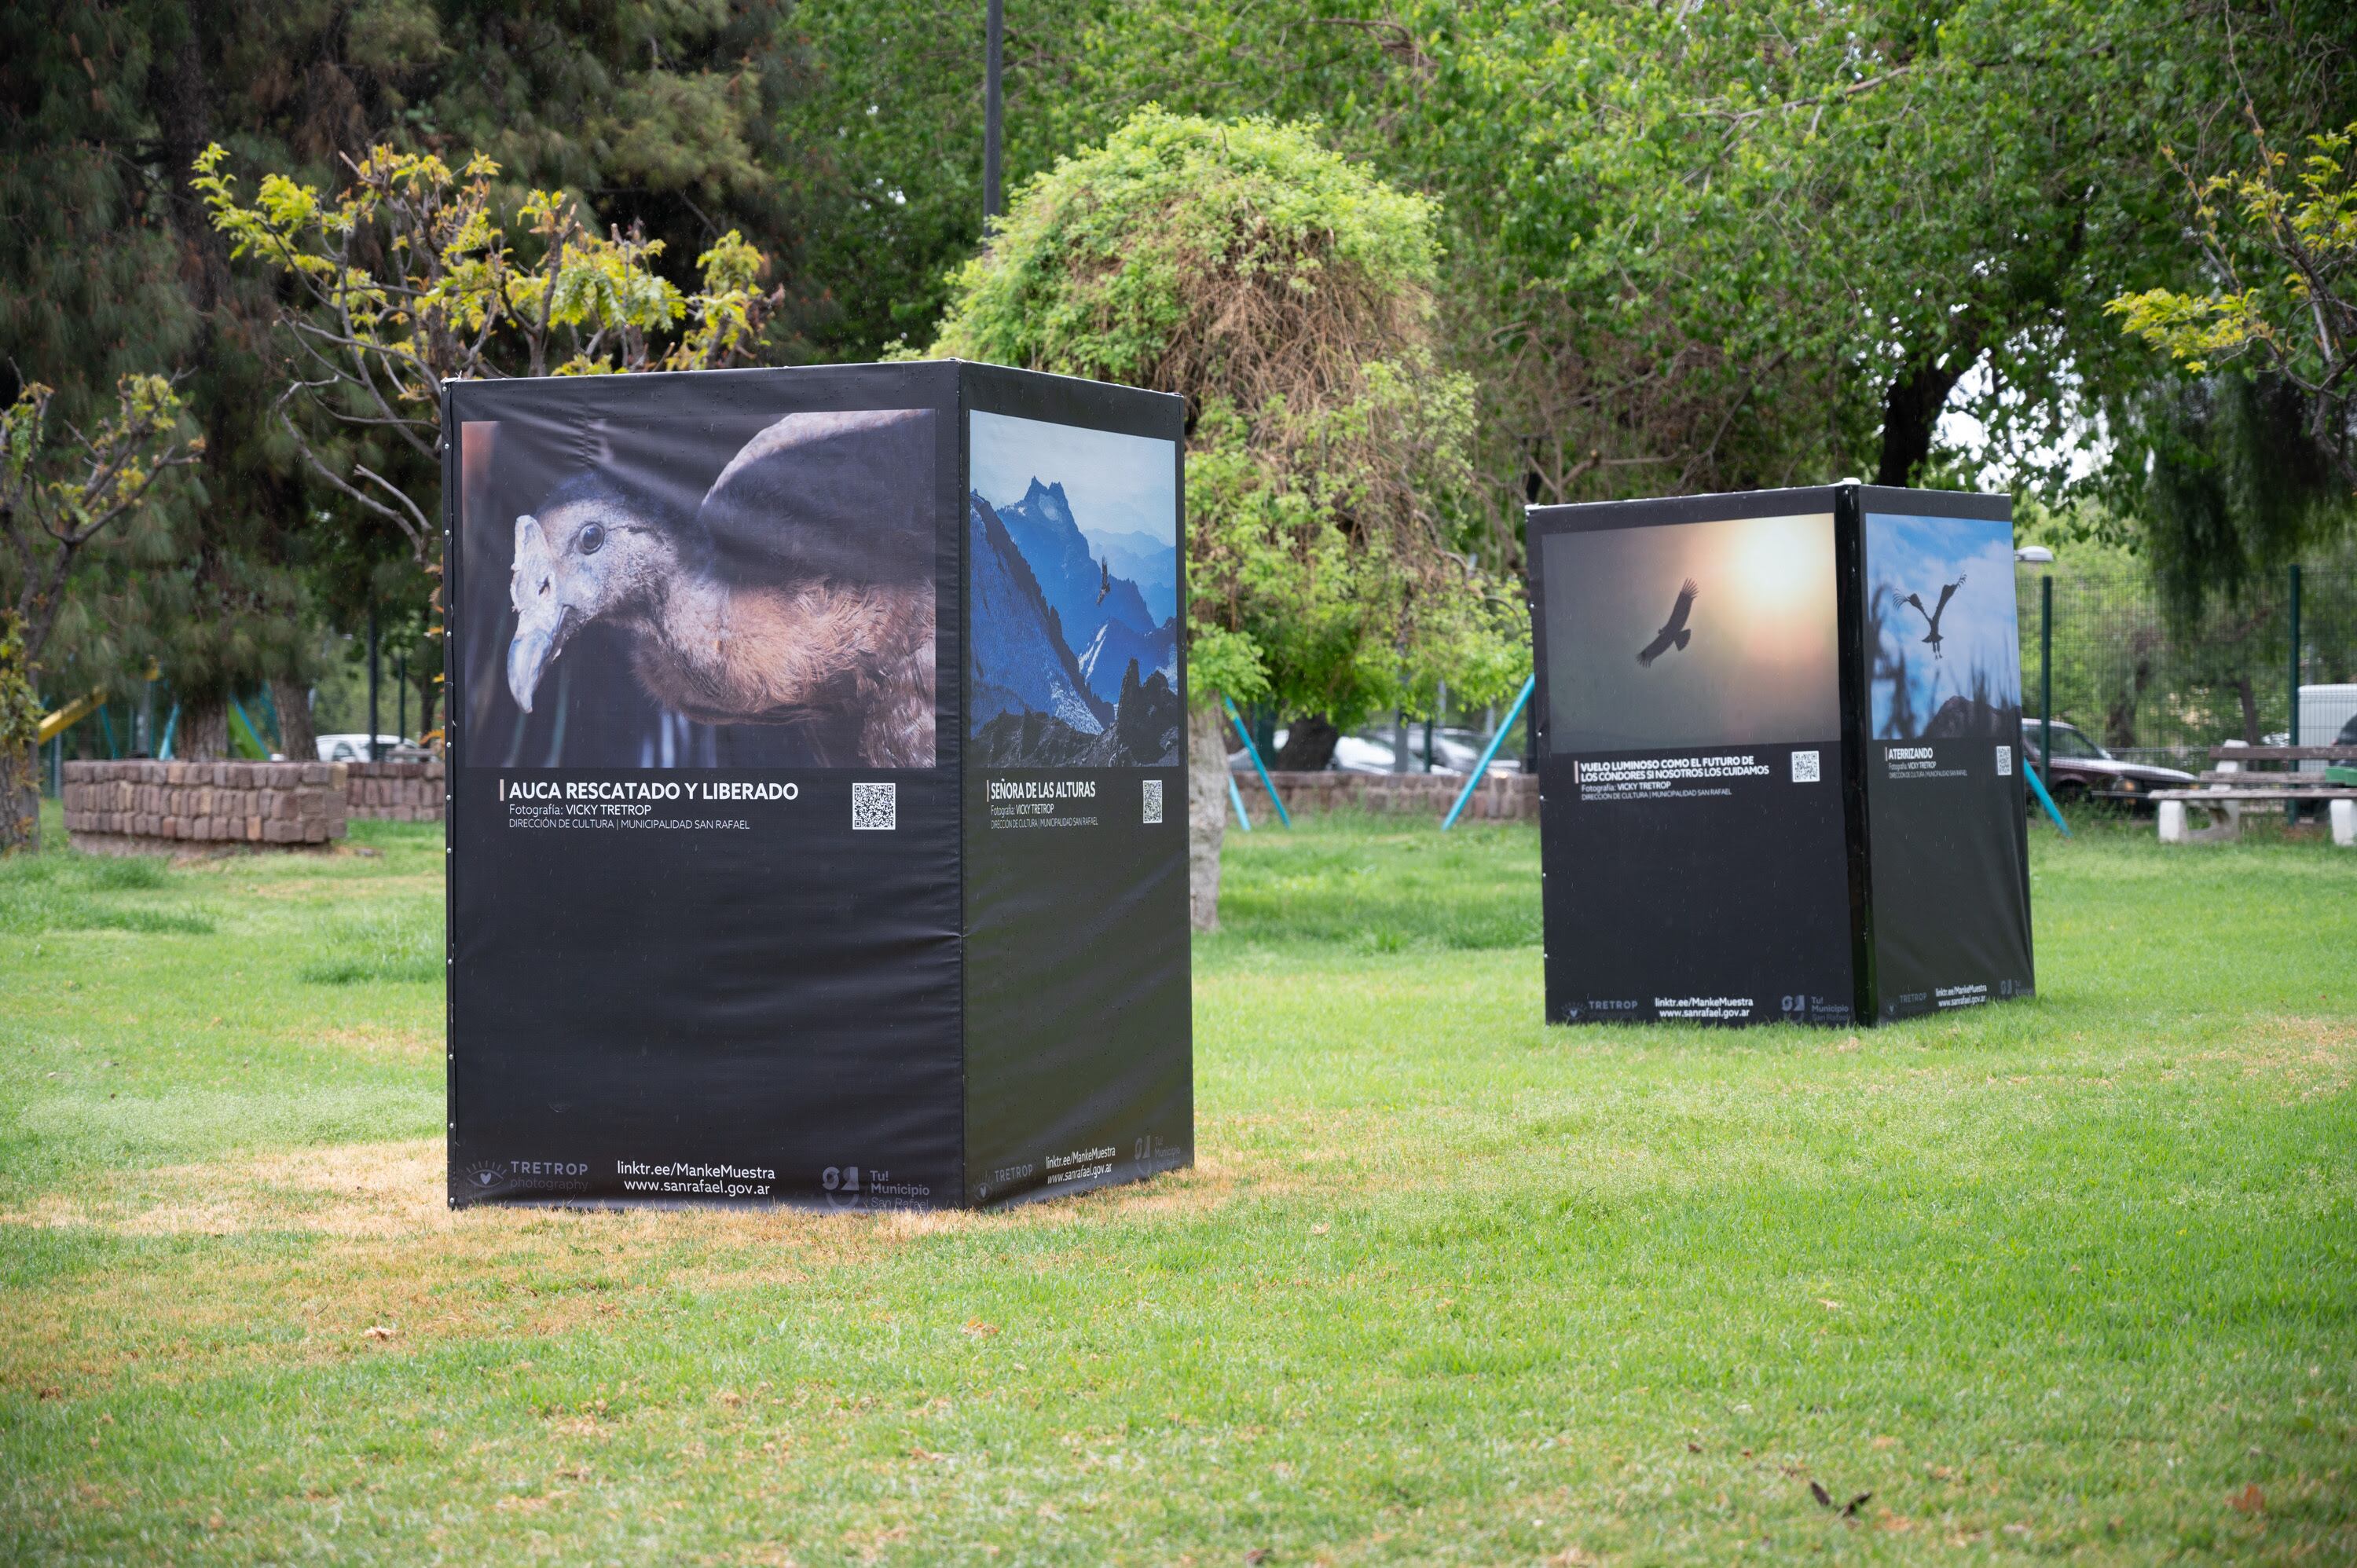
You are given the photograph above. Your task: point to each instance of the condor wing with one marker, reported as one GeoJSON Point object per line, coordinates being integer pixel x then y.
{"type": "Point", "coordinates": [846, 495]}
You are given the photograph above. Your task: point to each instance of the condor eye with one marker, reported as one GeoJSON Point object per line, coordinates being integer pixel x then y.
{"type": "Point", "coordinates": [592, 540]}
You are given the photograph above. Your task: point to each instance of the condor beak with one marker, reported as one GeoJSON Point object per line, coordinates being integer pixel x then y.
{"type": "Point", "coordinates": [543, 624]}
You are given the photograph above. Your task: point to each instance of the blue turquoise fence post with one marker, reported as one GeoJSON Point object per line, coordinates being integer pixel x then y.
{"type": "Point", "coordinates": [2037, 787]}
{"type": "Point", "coordinates": [1236, 798]}
{"type": "Point", "coordinates": [1473, 782]}
{"type": "Point", "coordinates": [1253, 752]}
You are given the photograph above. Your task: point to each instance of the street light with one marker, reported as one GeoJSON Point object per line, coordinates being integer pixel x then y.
{"type": "Point", "coordinates": [994, 67]}
{"type": "Point", "coordinates": [2038, 555]}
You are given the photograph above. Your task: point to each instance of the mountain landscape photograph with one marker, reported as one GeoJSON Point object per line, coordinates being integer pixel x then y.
{"type": "Point", "coordinates": [1072, 597]}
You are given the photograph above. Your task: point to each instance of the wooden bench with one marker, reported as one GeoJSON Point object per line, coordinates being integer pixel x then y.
{"type": "Point", "coordinates": [2225, 791]}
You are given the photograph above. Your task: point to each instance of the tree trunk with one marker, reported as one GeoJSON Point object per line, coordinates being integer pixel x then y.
{"type": "Point", "coordinates": [203, 734]}
{"type": "Point", "coordinates": [295, 735]}
{"type": "Point", "coordinates": [1308, 745]}
{"type": "Point", "coordinates": [2250, 710]}
{"type": "Point", "coordinates": [1910, 413]}
{"type": "Point", "coordinates": [20, 800]}
{"type": "Point", "coordinates": [1207, 814]}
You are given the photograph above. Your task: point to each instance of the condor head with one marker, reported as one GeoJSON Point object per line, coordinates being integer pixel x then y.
{"type": "Point", "coordinates": [589, 552]}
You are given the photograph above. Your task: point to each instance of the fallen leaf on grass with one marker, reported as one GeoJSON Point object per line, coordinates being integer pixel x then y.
{"type": "Point", "coordinates": [1884, 1442]}
{"type": "Point", "coordinates": [976, 1328]}
{"type": "Point", "coordinates": [1825, 1499]}
{"type": "Point", "coordinates": [1257, 1554]}
{"type": "Point", "coordinates": [380, 1331]}
{"type": "Point", "coordinates": [2250, 1499]}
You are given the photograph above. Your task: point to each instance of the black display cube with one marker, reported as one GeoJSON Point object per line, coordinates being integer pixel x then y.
{"type": "Point", "coordinates": [818, 815]}
{"type": "Point", "coordinates": [1780, 741]}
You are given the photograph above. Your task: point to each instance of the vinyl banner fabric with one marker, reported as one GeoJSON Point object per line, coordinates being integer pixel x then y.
{"type": "Point", "coordinates": [1947, 822]}
{"type": "Point", "coordinates": [713, 934]}
{"type": "Point", "coordinates": [1732, 830]}
{"type": "Point", "coordinates": [1689, 709]}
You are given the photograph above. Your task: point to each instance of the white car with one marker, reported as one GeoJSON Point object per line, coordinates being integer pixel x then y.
{"type": "Point", "coordinates": [355, 749]}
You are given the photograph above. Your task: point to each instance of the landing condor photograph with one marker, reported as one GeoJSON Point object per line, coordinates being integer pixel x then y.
{"type": "Point", "coordinates": [1941, 640]}
{"type": "Point", "coordinates": [746, 592]}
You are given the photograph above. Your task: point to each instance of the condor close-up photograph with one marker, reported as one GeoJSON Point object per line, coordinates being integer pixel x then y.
{"type": "Point", "coordinates": [700, 593]}
{"type": "Point", "coordinates": [1194, 783]}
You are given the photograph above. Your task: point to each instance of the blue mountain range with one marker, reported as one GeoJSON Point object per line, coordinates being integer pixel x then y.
{"type": "Point", "coordinates": [1054, 633]}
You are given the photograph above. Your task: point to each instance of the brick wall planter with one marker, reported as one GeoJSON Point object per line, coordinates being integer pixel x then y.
{"type": "Point", "coordinates": [1503, 797]}
{"type": "Point", "coordinates": [394, 791]}
{"type": "Point", "coordinates": [149, 807]}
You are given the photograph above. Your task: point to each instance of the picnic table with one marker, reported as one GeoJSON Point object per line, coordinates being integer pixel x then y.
{"type": "Point", "coordinates": [2224, 791]}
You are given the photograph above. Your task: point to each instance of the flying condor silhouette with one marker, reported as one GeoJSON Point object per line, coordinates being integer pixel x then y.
{"type": "Point", "coordinates": [1947, 592]}
{"type": "Point", "coordinates": [1674, 632]}
{"type": "Point", "coordinates": [802, 586]}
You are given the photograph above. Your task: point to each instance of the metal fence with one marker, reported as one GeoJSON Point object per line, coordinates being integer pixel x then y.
{"type": "Point", "coordinates": [2153, 691]}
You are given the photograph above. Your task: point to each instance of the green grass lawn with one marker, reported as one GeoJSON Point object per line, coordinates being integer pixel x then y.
{"type": "Point", "coordinates": [2075, 1277]}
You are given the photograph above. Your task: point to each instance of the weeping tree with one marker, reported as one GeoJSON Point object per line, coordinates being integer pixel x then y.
{"type": "Point", "coordinates": [2249, 458]}
{"type": "Point", "coordinates": [1331, 502]}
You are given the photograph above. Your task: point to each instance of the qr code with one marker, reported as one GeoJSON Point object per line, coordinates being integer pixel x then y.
{"type": "Point", "coordinates": [2004, 762]}
{"type": "Point", "coordinates": [875, 806]}
{"type": "Point", "coordinates": [1805, 767]}
{"type": "Point", "coordinates": [1153, 800]}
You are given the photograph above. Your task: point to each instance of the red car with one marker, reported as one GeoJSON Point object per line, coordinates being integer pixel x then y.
{"type": "Point", "coordinates": [2085, 771]}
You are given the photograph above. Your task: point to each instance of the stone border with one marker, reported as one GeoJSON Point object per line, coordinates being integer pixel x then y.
{"type": "Point", "coordinates": [174, 808]}
{"type": "Point", "coordinates": [1503, 797]}
{"type": "Point", "coordinates": [394, 791]}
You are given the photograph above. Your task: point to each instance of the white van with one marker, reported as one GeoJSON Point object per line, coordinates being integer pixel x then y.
{"type": "Point", "coordinates": [2328, 716]}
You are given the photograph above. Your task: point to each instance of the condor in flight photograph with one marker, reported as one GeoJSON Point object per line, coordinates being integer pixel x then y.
{"type": "Point", "coordinates": [1942, 641]}
{"type": "Point", "coordinates": [1731, 625]}
{"type": "Point", "coordinates": [754, 593]}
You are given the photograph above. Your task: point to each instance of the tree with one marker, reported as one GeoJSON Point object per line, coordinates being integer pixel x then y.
{"type": "Point", "coordinates": [1288, 295]}
{"type": "Point", "coordinates": [2283, 300]}
{"type": "Point", "coordinates": [406, 281]}
{"type": "Point", "coordinates": [58, 499]}
{"type": "Point", "coordinates": [2250, 459]}
{"type": "Point", "coordinates": [665, 118]}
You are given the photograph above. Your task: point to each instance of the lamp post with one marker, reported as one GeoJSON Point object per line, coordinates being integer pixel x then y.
{"type": "Point", "coordinates": [2038, 555]}
{"type": "Point", "coordinates": [992, 68]}
{"type": "Point", "coordinates": [2291, 808]}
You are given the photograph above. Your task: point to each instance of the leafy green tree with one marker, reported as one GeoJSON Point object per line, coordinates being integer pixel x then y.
{"type": "Point", "coordinates": [662, 117]}
{"type": "Point", "coordinates": [65, 494]}
{"type": "Point", "coordinates": [1286, 294]}
{"type": "Point", "coordinates": [2250, 456]}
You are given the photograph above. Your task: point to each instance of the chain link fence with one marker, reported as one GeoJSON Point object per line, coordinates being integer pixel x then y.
{"type": "Point", "coordinates": [2150, 690]}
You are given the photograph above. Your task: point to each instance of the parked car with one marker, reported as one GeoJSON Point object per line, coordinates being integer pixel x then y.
{"type": "Point", "coordinates": [2084, 771]}
{"type": "Point", "coordinates": [1372, 751]}
{"type": "Point", "coordinates": [355, 749]}
{"type": "Point", "coordinates": [1453, 751]}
